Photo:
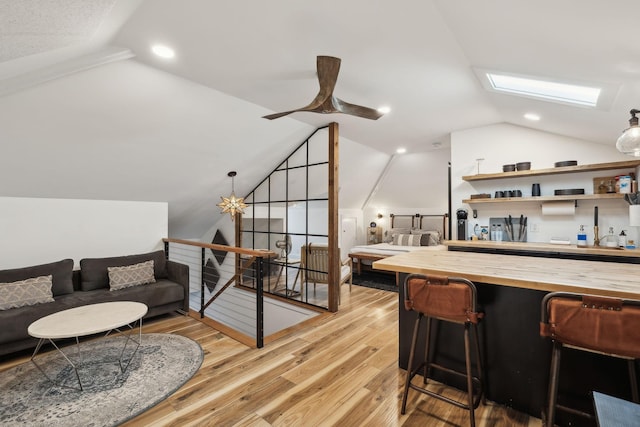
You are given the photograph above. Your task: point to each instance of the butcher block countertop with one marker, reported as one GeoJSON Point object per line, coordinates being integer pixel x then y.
{"type": "Point", "coordinates": [543, 247]}
{"type": "Point", "coordinates": [620, 280]}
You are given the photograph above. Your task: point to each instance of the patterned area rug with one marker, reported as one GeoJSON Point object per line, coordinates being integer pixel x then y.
{"type": "Point", "coordinates": [376, 280]}
{"type": "Point", "coordinates": [163, 363]}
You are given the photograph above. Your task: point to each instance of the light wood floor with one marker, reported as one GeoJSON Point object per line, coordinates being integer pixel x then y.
{"type": "Point", "coordinates": [341, 371]}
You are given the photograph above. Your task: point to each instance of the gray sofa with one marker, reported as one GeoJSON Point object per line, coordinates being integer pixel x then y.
{"type": "Point", "coordinates": [90, 285]}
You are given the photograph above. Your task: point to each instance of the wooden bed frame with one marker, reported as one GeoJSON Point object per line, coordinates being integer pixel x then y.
{"type": "Point", "coordinates": [420, 221]}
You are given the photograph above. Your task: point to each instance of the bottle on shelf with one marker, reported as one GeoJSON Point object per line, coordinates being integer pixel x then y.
{"type": "Point", "coordinates": [582, 237]}
{"type": "Point", "coordinates": [612, 242]}
{"type": "Point", "coordinates": [622, 239]}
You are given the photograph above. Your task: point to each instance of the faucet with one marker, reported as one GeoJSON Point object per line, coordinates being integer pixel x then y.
{"type": "Point", "coordinates": [596, 234]}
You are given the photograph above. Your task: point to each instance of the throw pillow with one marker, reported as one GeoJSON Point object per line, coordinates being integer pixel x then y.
{"type": "Point", "coordinates": [395, 231]}
{"type": "Point", "coordinates": [406, 239]}
{"type": "Point", "coordinates": [430, 238]}
{"type": "Point", "coordinates": [130, 275]}
{"type": "Point", "coordinates": [35, 290]}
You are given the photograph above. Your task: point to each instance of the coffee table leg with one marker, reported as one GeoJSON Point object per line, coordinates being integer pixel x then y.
{"type": "Point", "coordinates": [124, 368]}
{"type": "Point", "coordinates": [75, 368]}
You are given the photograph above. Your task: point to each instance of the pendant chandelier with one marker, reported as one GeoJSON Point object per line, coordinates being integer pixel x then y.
{"type": "Point", "coordinates": [232, 204]}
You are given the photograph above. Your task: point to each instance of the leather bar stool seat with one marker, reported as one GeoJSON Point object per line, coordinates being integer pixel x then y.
{"type": "Point", "coordinates": [448, 299]}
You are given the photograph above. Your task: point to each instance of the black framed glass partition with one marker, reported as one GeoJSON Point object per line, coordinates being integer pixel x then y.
{"type": "Point", "coordinates": [288, 210]}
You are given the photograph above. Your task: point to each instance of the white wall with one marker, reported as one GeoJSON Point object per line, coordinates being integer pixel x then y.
{"type": "Point", "coordinates": [505, 144]}
{"type": "Point", "coordinates": [414, 183]}
{"type": "Point", "coordinates": [36, 231]}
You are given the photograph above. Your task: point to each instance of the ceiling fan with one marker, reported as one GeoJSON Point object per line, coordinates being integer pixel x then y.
{"type": "Point", "coordinates": [325, 103]}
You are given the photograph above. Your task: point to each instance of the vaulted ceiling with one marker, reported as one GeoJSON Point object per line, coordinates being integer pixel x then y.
{"type": "Point", "coordinates": [86, 110]}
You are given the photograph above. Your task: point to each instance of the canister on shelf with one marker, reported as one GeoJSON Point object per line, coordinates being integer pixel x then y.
{"type": "Point", "coordinates": [625, 184]}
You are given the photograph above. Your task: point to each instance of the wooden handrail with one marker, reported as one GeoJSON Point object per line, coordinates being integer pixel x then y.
{"type": "Point", "coordinates": [260, 253]}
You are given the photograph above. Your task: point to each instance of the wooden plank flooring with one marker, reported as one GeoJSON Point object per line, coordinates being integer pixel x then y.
{"type": "Point", "coordinates": [340, 371]}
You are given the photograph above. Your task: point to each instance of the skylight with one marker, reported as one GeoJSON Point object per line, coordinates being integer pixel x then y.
{"type": "Point", "coordinates": [552, 91]}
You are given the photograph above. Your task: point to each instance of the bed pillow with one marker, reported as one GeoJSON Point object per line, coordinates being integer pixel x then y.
{"type": "Point", "coordinates": [431, 238]}
{"type": "Point", "coordinates": [419, 231]}
{"type": "Point", "coordinates": [36, 290]}
{"type": "Point", "coordinates": [394, 231]}
{"type": "Point", "coordinates": [406, 239]}
{"type": "Point", "coordinates": [130, 275]}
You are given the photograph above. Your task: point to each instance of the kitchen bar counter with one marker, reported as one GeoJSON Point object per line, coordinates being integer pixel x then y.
{"type": "Point", "coordinates": [625, 255]}
{"type": "Point", "coordinates": [510, 291]}
{"type": "Point", "coordinates": [542, 274]}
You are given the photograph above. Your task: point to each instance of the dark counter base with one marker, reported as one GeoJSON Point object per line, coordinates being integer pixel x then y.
{"type": "Point", "coordinates": [516, 357]}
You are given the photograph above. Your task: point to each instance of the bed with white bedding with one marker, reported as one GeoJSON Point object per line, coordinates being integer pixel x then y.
{"type": "Point", "coordinates": [389, 249]}
{"type": "Point", "coordinates": [407, 233]}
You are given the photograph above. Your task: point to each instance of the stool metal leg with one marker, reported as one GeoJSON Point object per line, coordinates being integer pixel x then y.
{"type": "Point", "coordinates": [481, 373]}
{"type": "Point", "coordinates": [633, 378]}
{"type": "Point", "coordinates": [410, 366]}
{"type": "Point", "coordinates": [467, 357]}
{"type": "Point", "coordinates": [553, 383]}
{"type": "Point", "coordinates": [427, 361]}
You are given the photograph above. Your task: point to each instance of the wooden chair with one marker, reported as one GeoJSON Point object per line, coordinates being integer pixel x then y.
{"type": "Point", "coordinates": [315, 266]}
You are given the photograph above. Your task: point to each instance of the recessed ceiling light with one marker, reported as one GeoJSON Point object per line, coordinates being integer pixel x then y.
{"type": "Point", "coordinates": [384, 109]}
{"type": "Point", "coordinates": [436, 144]}
{"type": "Point", "coordinates": [544, 89]}
{"type": "Point", "coordinates": [401, 150]}
{"type": "Point", "coordinates": [532, 116]}
{"type": "Point", "coordinates": [163, 51]}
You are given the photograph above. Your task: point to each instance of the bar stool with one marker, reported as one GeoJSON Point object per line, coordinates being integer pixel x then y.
{"type": "Point", "coordinates": [449, 299]}
{"type": "Point", "coordinates": [591, 323]}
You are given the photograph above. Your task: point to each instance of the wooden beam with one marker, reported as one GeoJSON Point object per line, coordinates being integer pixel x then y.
{"type": "Point", "coordinates": [334, 251]}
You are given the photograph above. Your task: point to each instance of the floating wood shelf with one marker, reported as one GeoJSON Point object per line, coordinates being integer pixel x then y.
{"type": "Point", "coordinates": [548, 198]}
{"type": "Point", "coordinates": [554, 171]}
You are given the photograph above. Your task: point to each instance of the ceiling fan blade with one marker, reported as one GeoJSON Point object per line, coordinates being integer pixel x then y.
{"type": "Point", "coordinates": [278, 115]}
{"type": "Point", "coordinates": [328, 68]}
{"type": "Point", "coordinates": [315, 106]}
{"type": "Point", "coordinates": [356, 110]}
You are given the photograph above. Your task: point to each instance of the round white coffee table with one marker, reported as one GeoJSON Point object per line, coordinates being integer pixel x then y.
{"type": "Point", "coordinates": [88, 320]}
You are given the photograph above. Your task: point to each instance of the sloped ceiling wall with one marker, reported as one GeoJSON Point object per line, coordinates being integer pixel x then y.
{"type": "Point", "coordinates": [414, 180]}
{"type": "Point", "coordinates": [126, 131]}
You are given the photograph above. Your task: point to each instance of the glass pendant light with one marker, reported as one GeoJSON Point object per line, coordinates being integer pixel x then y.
{"type": "Point", "coordinates": [629, 141]}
